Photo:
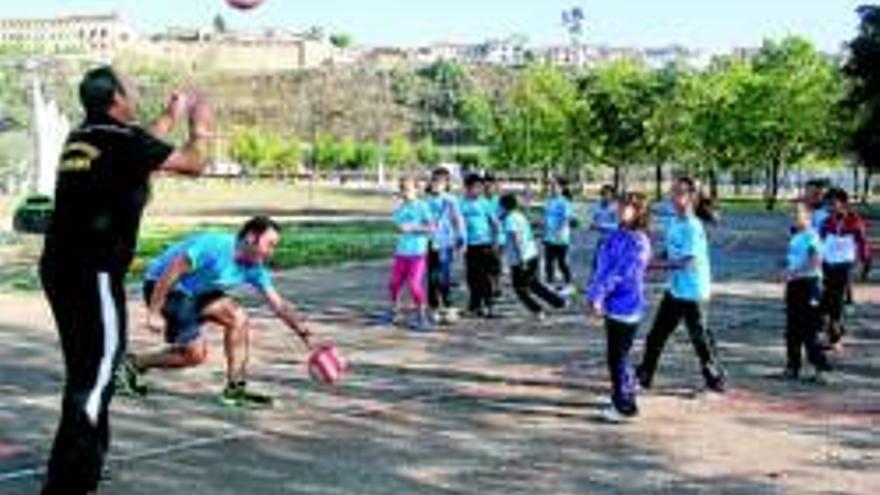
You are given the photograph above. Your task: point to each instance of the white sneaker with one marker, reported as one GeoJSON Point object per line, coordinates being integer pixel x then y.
{"type": "Point", "coordinates": [610, 414]}
{"type": "Point", "coordinates": [540, 316]}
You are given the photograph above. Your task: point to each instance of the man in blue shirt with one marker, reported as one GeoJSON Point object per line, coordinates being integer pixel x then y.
{"type": "Point", "coordinates": [187, 286]}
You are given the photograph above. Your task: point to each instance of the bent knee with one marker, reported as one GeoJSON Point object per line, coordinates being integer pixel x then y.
{"type": "Point", "coordinates": [194, 354]}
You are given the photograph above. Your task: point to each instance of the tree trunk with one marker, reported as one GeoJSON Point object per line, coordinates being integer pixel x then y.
{"type": "Point", "coordinates": [713, 183]}
{"type": "Point", "coordinates": [617, 178]}
{"type": "Point", "coordinates": [658, 181]}
{"type": "Point", "coordinates": [866, 185]}
{"type": "Point", "coordinates": [855, 187]}
{"type": "Point", "coordinates": [737, 183]}
{"type": "Point", "coordinates": [773, 191]}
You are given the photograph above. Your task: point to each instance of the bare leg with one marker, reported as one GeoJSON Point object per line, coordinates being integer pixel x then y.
{"type": "Point", "coordinates": [233, 319]}
{"type": "Point", "coordinates": [174, 357]}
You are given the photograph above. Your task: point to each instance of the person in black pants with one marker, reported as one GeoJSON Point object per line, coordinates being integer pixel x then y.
{"type": "Point", "coordinates": [558, 218]}
{"type": "Point", "coordinates": [102, 188]}
{"type": "Point", "coordinates": [522, 257]}
{"type": "Point", "coordinates": [687, 259]}
{"type": "Point", "coordinates": [481, 233]}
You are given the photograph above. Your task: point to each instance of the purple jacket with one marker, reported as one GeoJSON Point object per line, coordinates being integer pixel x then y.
{"type": "Point", "coordinates": [619, 281]}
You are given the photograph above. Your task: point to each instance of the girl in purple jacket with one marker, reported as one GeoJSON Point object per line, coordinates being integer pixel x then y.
{"type": "Point", "coordinates": [617, 293]}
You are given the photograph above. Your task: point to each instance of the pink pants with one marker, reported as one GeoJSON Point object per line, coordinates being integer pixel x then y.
{"type": "Point", "coordinates": [409, 269]}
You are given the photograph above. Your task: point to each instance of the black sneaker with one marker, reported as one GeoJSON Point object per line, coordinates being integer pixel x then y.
{"type": "Point", "coordinates": [127, 380]}
{"type": "Point", "coordinates": [643, 378]}
{"type": "Point", "coordinates": [237, 395]}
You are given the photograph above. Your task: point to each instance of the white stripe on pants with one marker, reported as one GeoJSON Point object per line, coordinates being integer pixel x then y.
{"type": "Point", "coordinates": [110, 323]}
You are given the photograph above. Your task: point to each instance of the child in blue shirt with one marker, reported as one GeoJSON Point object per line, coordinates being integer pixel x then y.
{"type": "Point", "coordinates": [415, 224]}
{"type": "Point", "coordinates": [446, 240]}
{"type": "Point", "coordinates": [617, 293]}
{"type": "Point", "coordinates": [803, 277]}
{"type": "Point", "coordinates": [686, 258]}
{"type": "Point", "coordinates": [481, 234]}
{"type": "Point", "coordinates": [521, 253]}
{"type": "Point", "coordinates": [558, 216]}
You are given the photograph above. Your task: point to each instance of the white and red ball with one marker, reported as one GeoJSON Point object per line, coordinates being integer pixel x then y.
{"type": "Point", "coordinates": [325, 365]}
{"type": "Point", "coordinates": [244, 4]}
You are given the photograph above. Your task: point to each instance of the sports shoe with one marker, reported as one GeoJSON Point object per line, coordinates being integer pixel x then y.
{"type": "Point", "coordinates": [237, 395]}
{"type": "Point", "coordinates": [643, 378]}
{"type": "Point", "coordinates": [567, 291]}
{"type": "Point", "coordinates": [421, 324]}
{"type": "Point", "coordinates": [540, 316]}
{"type": "Point", "coordinates": [127, 380]}
{"type": "Point", "coordinates": [789, 374]}
{"type": "Point", "coordinates": [610, 414]}
{"type": "Point", "coordinates": [821, 377]}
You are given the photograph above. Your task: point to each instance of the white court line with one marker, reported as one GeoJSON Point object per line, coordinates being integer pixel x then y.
{"type": "Point", "coordinates": [144, 454]}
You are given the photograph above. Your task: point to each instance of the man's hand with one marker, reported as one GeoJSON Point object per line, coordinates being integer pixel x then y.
{"type": "Point", "coordinates": [596, 310]}
{"type": "Point", "coordinates": [156, 322]}
{"type": "Point", "coordinates": [201, 118]}
{"type": "Point", "coordinates": [177, 105]}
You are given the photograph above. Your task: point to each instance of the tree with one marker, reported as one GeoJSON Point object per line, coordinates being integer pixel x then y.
{"type": "Point", "coordinates": [863, 97]}
{"type": "Point", "coordinates": [341, 40]}
{"type": "Point", "coordinates": [348, 154]}
{"type": "Point", "coordinates": [220, 26]}
{"type": "Point", "coordinates": [399, 153]}
{"type": "Point", "coordinates": [427, 153]}
{"type": "Point", "coordinates": [325, 152]}
{"type": "Point", "coordinates": [668, 119]}
{"type": "Point", "coordinates": [368, 155]}
{"type": "Point", "coordinates": [618, 96]}
{"type": "Point", "coordinates": [788, 106]}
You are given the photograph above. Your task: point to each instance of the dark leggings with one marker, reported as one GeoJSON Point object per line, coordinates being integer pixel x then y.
{"type": "Point", "coordinates": [556, 255]}
{"type": "Point", "coordinates": [526, 284]}
{"type": "Point", "coordinates": [670, 314]}
{"type": "Point", "coordinates": [623, 387]}
{"type": "Point", "coordinates": [478, 261]}
{"type": "Point", "coordinates": [803, 324]}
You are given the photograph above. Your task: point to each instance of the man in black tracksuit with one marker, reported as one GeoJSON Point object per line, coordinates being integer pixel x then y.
{"type": "Point", "coordinates": [102, 188]}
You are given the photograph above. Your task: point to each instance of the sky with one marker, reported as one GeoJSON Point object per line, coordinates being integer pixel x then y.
{"type": "Point", "coordinates": [712, 25]}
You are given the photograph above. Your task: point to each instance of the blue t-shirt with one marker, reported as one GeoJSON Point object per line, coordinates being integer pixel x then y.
{"type": "Point", "coordinates": [412, 243]}
{"type": "Point", "coordinates": [686, 237]}
{"type": "Point", "coordinates": [478, 219]}
{"type": "Point", "coordinates": [213, 265]}
{"type": "Point", "coordinates": [803, 246]}
{"type": "Point", "coordinates": [558, 212]}
{"type": "Point", "coordinates": [517, 227]}
{"type": "Point", "coordinates": [604, 218]}
{"type": "Point", "coordinates": [498, 213]}
{"type": "Point", "coordinates": [444, 210]}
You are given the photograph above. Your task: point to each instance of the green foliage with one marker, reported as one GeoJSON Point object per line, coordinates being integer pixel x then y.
{"type": "Point", "coordinates": [427, 153]}
{"type": "Point", "coordinates": [326, 152]}
{"type": "Point", "coordinates": [348, 154]}
{"type": "Point", "coordinates": [862, 111]}
{"type": "Point", "coordinates": [265, 153]}
{"type": "Point", "coordinates": [341, 40]}
{"type": "Point", "coordinates": [368, 155]}
{"type": "Point", "coordinates": [399, 153]}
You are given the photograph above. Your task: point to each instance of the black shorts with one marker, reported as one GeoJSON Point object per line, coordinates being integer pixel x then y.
{"type": "Point", "coordinates": [183, 313]}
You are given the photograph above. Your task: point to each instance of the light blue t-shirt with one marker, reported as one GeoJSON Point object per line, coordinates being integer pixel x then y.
{"type": "Point", "coordinates": [498, 213]}
{"type": "Point", "coordinates": [604, 218]}
{"type": "Point", "coordinates": [516, 226]}
{"type": "Point", "coordinates": [686, 237]}
{"type": "Point", "coordinates": [444, 210]}
{"type": "Point", "coordinates": [412, 243]}
{"type": "Point", "coordinates": [802, 246]}
{"type": "Point", "coordinates": [213, 265]}
{"type": "Point", "coordinates": [558, 212]}
{"type": "Point", "coordinates": [478, 219]}
{"type": "Point", "coordinates": [820, 215]}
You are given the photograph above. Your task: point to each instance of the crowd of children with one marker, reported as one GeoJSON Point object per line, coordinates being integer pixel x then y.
{"type": "Point", "coordinates": [490, 230]}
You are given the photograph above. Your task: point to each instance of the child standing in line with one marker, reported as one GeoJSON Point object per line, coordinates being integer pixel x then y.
{"type": "Point", "coordinates": [481, 232]}
{"type": "Point", "coordinates": [686, 257]}
{"type": "Point", "coordinates": [845, 243]}
{"type": "Point", "coordinates": [415, 224]}
{"type": "Point", "coordinates": [521, 253]}
{"type": "Point", "coordinates": [558, 215]}
{"type": "Point", "coordinates": [802, 297]}
{"type": "Point", "coordinates": [492, 193]}
{"type": "Point", "coordinates": [446, 240]}
{"type": "Point", "coordinates": [617, 293]}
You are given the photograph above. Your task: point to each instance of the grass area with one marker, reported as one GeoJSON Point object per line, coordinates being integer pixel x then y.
{"type": "Point", "coordinates": [237, 197]}
{"type": "Point", "coordinates": [302, 244]}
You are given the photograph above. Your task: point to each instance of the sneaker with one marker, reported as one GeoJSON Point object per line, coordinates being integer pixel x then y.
{"type": "Point", "coordinates": [127, 380]}
{"type": "Point", "coordinates": [821, 377]}
{"type": "Point", "coordinates": [789, 374]}
{"type": "Point", "coordinates": [238, 395]}
{"type": "Point", "coordinates": [492, 314]}
{"type": "Point", "coordinates": [643, 378]}
{"type": "Point", "coordinates": [610, 414]}
{"type": "Point", "coordinates": [567, 291]}
{"type": "Point", "coordinates": [390, 318]}
{"type": "Point", "coordinates": [421, 324]}
{"type": "Point", "coordinates": [540, 316]}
